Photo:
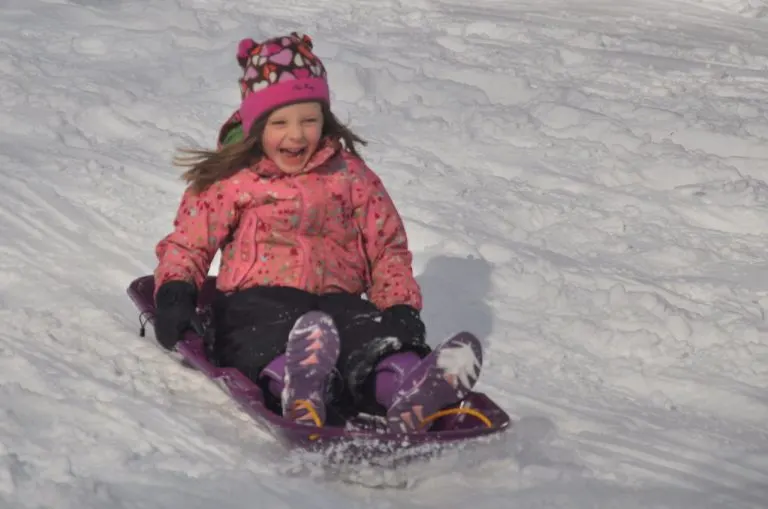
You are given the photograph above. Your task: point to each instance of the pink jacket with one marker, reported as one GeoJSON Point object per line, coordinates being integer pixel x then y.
{"type": "Point", "coordinates": [332, 228]}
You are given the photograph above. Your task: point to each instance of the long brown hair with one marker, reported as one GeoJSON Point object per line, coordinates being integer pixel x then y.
{"type": "Point", "coordinates": [207, 167]}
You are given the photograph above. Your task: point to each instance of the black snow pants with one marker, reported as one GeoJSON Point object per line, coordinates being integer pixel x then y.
{"type": "Point", "coordinates": [251, 328]}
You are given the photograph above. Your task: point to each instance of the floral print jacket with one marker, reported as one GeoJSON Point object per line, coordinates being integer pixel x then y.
{"type": "Point", "coordinates": [331, 228]}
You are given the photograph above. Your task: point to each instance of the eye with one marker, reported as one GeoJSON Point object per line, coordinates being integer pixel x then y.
{"type": "Point", "coordinates": [310, 120]}
{"type": "Point", "coordinates": [277, 122]}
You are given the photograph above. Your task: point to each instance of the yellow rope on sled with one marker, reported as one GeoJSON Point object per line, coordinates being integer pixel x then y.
{"type": "Point", "coordinates": [304, 404]}
{"type": "Point", "coordinates": [455, 411]}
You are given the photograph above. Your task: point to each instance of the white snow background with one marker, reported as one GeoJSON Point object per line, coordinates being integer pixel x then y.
{"type": "Point", "coordinates": [584, 186]}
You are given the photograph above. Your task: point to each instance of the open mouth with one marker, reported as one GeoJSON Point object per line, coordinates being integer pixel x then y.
{"type": "Point", "coordinates": [293, 154]}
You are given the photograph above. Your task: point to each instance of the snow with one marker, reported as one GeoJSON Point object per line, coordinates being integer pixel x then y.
{"type": "Point", "coordinates": [584, 186]}
{"type": "Point", "coordinates": [460, 361]}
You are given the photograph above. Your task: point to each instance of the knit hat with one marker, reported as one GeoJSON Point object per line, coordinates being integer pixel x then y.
{"type": "Point", "coordinates": [278, 72]}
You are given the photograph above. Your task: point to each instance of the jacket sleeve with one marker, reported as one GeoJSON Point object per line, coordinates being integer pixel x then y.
{"type": "Point", "coordinates": [386, 246]}
{"type": "Point", "coordinates": [200, 228]}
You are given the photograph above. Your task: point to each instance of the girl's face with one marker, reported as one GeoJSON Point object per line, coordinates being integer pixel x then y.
{"type": "Point", "coordinates": [292, 134]}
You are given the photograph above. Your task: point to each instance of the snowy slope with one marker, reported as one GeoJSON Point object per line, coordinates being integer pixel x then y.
{"type": "Point", "coordinates": [584, 185]}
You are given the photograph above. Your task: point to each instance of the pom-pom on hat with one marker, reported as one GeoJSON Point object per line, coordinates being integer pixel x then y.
{"type": "Point", "coordinates": [279, 72]}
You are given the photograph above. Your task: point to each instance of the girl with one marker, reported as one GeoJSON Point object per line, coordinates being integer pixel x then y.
{"type": "Point", "coordinates": [305, 229]}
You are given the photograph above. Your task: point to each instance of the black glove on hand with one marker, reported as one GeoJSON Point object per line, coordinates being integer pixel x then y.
{"type": "Point", "coordinates": [175, 312]}
{"type": "Point", "coordinates": [404, 322]}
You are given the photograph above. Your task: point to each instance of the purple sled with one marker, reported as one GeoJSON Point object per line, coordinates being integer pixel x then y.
{"type": "Point", "coordinates": [368, 435]}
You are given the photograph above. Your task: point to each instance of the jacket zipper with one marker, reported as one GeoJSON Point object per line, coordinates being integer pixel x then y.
{"type": "Point", "coordinates": [302, 241]}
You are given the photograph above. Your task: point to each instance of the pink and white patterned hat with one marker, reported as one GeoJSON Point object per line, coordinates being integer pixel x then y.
{"type": "Point", "coordinates": [279, 72]}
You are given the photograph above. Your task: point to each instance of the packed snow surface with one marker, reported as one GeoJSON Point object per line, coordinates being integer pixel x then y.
{"type": "Point", "coordinates": [584, 187]}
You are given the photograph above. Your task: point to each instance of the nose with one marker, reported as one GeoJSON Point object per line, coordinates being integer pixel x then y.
{"type": "Point", "coordinates": [295, 132]}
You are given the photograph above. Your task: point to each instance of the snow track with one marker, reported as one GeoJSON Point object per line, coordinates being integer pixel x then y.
{"type": "Point", "coordinates": [584, 185]}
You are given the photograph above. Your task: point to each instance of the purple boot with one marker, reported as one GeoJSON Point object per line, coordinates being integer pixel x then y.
{"type": "Point", "coordinates": [274, 374]}
{"type": "Point", "coordinates": [310, 359]}
{"type": "Point", "coordinates": [441, 379]}
{"type": "Point", "coordinates": [390, 373]}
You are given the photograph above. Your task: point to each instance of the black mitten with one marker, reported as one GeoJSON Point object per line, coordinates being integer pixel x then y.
{"type": "Point", "coordinates": [404, 322]}
{"type": "Point", "coordinates": [175, 312]}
